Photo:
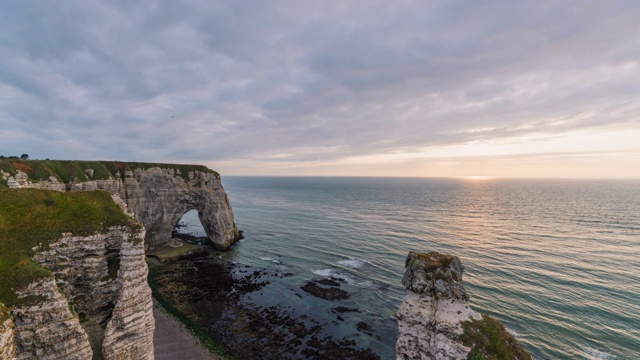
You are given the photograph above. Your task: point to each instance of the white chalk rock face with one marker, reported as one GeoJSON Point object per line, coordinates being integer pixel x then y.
{"type": "Point", "coordinates": [97, 305]}
{"type": "Point", "coordinates": [45, 328]}
{"type": "Point", "coordinates": [431, 315]}
{"type": "Point", "coordinates": [160, 197]}
{"type": "Point", "coordinates": [7, 340]}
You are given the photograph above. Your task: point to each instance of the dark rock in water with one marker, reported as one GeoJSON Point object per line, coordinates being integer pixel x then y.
{"type": "Point", "coordinates": [331, 293]}
{"type": "Point", "coordinates": [328, 282]}
{"type": "Point", "coordinates": [365, 328]}
{"type": "Point", "coordinates": [344, 309]}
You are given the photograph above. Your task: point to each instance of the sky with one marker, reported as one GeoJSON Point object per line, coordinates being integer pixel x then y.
{"type": "Point", "coordinates": [543, 89]}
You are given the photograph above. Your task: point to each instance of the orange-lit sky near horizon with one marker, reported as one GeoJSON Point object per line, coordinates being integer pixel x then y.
{"type": "Point", "coordinates": [359, 88]}
{"type": "Point", "coordinates": [586, 155]}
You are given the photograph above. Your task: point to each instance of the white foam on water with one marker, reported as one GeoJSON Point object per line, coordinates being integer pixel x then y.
{"type": "Point", "coordinates": [324, 272]}
{"type": "Point", "coordinates": [334, 273]}
{"type": "Point", "coordinates": [512, 332]}
{"type": "Point", "coordinates": [366, 284]}
{"type": "Point", "coordinates": [592, 353]}
{"type": "Point", "coordinates": [268, 258]}
{"type": "Point", "coordinates": [352, 263]}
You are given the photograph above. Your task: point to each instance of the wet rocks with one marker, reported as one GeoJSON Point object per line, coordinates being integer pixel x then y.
{"type": "Point", "coordinates": [365, 328]}
{"type": "Point", "coordinates": [224, 300]}
{"type": "Point", "coordinates": [333, 292]}
{"type": "Point", "coordinates": [344, 309]}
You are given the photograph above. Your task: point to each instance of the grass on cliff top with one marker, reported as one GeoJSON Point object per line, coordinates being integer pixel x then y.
{"type": "Point", "coordinates": [33, 217]}
{"type": "Point", "coordinates": [489, 340]}
{"type": "Point", "coordinates": [434, 260]}
{"type": "Point", "coordinates": [69, 170]}
{"type": "Point", "coordinates": [115, 166]}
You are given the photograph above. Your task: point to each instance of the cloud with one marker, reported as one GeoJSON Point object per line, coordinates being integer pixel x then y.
{"type": "Point", "coordinates": [286, 84]}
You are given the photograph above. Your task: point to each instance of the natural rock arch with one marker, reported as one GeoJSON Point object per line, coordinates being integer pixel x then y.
{"type": "Point", "coordinates": [159, 198]}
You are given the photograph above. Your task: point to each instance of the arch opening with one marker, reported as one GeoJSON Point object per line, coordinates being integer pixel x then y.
{"type": "Point", "coordinates": [190, 229]}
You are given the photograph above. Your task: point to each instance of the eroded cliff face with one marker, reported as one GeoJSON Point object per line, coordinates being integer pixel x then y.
{"type": "Point", "coordinates": [103, 277]}
{"type": "Point", "coordinates": [95, 302]}
{"type": "Point", "coordinates": [158, 197]}
{"type": "Point", "coordinates": [45, 327]}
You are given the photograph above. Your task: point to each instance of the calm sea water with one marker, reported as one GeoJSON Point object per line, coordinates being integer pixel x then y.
{"type": "Point", "coordinates": [558, 262]}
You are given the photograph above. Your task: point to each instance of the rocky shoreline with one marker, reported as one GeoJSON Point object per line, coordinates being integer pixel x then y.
{"type": "Point", "coordinates": [214, 298]}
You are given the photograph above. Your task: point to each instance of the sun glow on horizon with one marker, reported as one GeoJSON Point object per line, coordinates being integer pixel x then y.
{"type": "Point", "coordinates": [478, 177]}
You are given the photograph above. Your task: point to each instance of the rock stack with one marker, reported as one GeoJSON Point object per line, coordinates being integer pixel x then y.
{"type": "Point", "coordinates": [435, 320]}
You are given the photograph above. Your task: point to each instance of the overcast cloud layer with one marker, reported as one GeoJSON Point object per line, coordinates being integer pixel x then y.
{"type": "Point", "coordinates": [442, 88]}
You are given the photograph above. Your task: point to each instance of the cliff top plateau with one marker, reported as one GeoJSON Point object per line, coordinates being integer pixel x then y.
{"type": "Point", "coordinates": [66, 171]}
{"type": "Point", "coordinates": [32, 218]}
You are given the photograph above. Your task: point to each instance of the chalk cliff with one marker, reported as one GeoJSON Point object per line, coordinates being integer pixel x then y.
{"type": "Point", "coordinates": [435, 320]}
{"type": "Point", "coordinates": [81, 294]}
{"type": "Point", "coordinates": [104, 279]}
{"type": "Point", "coordinates": [159, 197]}
{"type": "Point", "coordinates": [158, 194]}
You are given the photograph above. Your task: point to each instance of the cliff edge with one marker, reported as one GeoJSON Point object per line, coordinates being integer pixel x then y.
{"type": "Point", "coordinates": [435, 320]}
{"type": "Point", "coordinates": [157, 194]}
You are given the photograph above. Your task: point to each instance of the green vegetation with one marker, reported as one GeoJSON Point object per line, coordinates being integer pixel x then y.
{"type": "Point", "coordinates": [489, 340]}
{"type": "Point", "coordinates": [184, 169]}
{"type": "Point", "coordinates": [69, 170]}
{"type": "Point", "coordinates": [434, 260]}
{"type": "Point", "coordinates": [4, 313]}
{"type": "Point", "coordinates": [194, 328]}
{"type": "Point", "coordinates": [33, 217]}
{"type": "Point", "coordinates": [175, 252]}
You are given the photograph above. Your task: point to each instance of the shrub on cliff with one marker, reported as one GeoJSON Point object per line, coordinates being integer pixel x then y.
{"type": "Point", "coordinates": [489, 340]}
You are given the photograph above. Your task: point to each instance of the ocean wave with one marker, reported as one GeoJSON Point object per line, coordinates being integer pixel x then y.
{"type": "Point", "coordinates": [592, 353]}
{"type": "Point", "coordinates": [324, 272]}
{"type": "Point", "coordinates": [334, 273]}
{"type": "Point", "coordinates": [352, 263]}
{"type": "Point", "coordinates": [266, 258]}
{"type": "Point", "coordinates": [512, 332]}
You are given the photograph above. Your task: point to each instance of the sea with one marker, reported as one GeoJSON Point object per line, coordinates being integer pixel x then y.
{"type": "Point", "coordinates": [557, 261]}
